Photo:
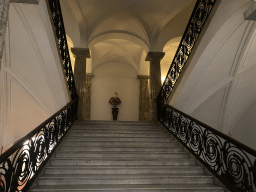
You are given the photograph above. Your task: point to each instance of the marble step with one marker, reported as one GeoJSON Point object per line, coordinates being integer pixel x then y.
{"type": "Point", "coordinates": [130, 188]}
{"type": "Point", "coordinates": [122, 155]}
{"type": "Point", "coordinates": [120, 144]}
{"type": "Point", "coordinates": [110, 139]}
{"type": "Point", "coordinates": [140, 126]}
{"type": "Point", "coordinates": [73, 179]}
{"type": "Point", "coordinates": [119, 125]}
{"type": "Point", "coordinates": [117, 128]}
{"type": "Point", "coordinates": [126, 161]}
{"type": "Point", "coordinates": [137, 123]}
{"type": "Point", "coordinates": [114, 169]}
{"type": "Point", "coordinates": [121, 149]}
{"type": "Point", "coordinates": [134, 131]}
{"type": "Point", "coordinates": [97, 134]}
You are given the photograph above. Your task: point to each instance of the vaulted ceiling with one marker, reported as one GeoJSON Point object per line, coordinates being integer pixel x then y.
{"type": "Point", "coordinates": [121, 30]}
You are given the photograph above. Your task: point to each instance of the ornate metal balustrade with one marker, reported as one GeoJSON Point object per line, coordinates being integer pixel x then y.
{"type": "Point", "coordinates": [63, 46]}
{"type": "Point", "coordinates": [233, 163]}
{"type": "Point", "coordinates": [20, 164]}
{"type": "Point", "coordinates": [194, 28]}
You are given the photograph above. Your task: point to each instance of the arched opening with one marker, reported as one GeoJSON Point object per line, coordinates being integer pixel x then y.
{"type": "Point", "coordinates": [170, 49]}
{"type": "Point", "coordinates": [115, 65]}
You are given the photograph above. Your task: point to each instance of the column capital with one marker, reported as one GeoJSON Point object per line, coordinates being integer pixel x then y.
{"type": "Point", "coordinates": [81, 52]}
{"type": "Point", "coordinates": [151, 56]}
{"type": "Point", "coordinates": [143, 77]}
{"type": "Point", "coordinates": [89, 75]}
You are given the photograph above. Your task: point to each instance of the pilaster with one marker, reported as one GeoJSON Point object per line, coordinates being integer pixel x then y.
{"type": "Point", "coordinates": [155, 79]}
{"type": "Point", "coordinates": [89, 77]}
{"type": "Point", "coordinates": [144, 103]}
{"type": "Point", "coordinates": [80, 79]}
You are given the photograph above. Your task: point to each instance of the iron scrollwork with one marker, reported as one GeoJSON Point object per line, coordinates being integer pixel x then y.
{"type": "Point", "coordinates": [24, 160]}
{"type": "Point", "coordinates": [63, 45]}
{"type": "Point", "coordinates": [233, 163]}
{"type": "Point", "coordinates": [195, 25]}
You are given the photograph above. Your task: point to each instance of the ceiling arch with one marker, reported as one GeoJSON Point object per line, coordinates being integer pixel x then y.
{"type": "Point", "coordinates": [144, 20]}
{"type": "Point", "coordinates": [109, 35]}
{"type": "Point", "coordinates": [116, 56]}
{"type": "Point", "coordinates": [170, 49]}
{"type": "Point", "coordinates": [117, 50]}
{"type": "Point", "coordinates": [175, 27]}
{"type": "Point", "coordinates": [123, 21]}
{"type": "Point", "coordinates": [115, 63]}
{"type": "Point", "coordinates": [81, 21]}
{"type": "Point", "coordinates": [179, 13]}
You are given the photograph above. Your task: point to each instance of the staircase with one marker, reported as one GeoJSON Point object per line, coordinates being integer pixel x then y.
{"type": "Point", "coordinates": [122, 156]}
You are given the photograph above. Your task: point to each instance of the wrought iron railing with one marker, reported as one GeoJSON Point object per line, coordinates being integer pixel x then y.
{"type": "Point", "coordinates": [20, 164]}
{"type": "Point", "coordinates": [233, 163]}
{"type": "Point", "coordinates": [194, 28]}
{"type": "Point", "coordinates": [63, 46]}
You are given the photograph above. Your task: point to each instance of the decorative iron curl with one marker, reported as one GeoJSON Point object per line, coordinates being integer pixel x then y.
{"type": "Point", "coordinates": [195, 26]}
{"type": "Point", "coordinates": [194, 136]}
{"type": "Point", "coordinates": [20, 164]}
{"type": "Point", "coordinates": [212, 150]}
{"type": "Point", "coordinates": [230, 161]}
{"type": "Point", "coordinates": [63, 45]}
{"type": "Point", "coordinates": [237, 166]}
{"type": "Point", "coordinates": [183, 128]}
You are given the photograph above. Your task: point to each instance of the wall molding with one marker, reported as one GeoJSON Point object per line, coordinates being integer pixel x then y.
{"type": "Point", "coordinates": [12, 75]}
{"type": "Point", "coordinates": [38, 53]}
{"type": "Point", "coordinates": [223, 84]}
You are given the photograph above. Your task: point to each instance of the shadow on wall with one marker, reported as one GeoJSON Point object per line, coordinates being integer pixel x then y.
{"type": "Point", "coordinates": [115, 77]}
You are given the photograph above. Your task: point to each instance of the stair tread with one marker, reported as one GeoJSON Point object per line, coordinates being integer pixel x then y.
{"type": "Point", "coordinates": [115, 159]}
{"type": "Point", "coordinates": [121, 152]}
{"type": "Point", "coordinates": [121, 147]}
{"type": "Point", "coordinates": [131, 186]}
{"type": "Point", "coordinates": [118, 124]}
{"type": "Point", "coordinates": [112, 122]}
{"type": "Point", "coordinates": [108, 137]}
{"type": "Point", "coordinates": [123, 128]}
{"type": "Point", "coordinates": [122, 176]}
{"type": "Point", "coordinates": [125, 167]}
{"type": "Point", "coordinates": [131, 142]}
{"type": "Point", "coordinates": [116, 130]}
{"type": "Point", "coordinates": [117, 135]}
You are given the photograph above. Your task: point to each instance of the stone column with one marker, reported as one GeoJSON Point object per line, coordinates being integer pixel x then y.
{"type": "Point", "coordinates": [144, 103]}
{"type": "Point", "coordinates": [88, 96]}
{"type": "Point", "coordinates": [155, 79]}
{"type": "Point", "coordinates": [80, 79]}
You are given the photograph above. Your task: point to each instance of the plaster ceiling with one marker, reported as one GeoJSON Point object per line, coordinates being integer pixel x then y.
{"type": "Point", "coordinates": [120, 30]}
{"type": "Point", "coordinates": [116, 50]}
{"type": "Point", "coordinates": [150, 14]}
